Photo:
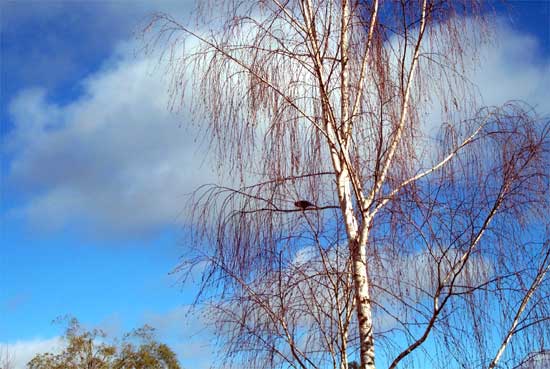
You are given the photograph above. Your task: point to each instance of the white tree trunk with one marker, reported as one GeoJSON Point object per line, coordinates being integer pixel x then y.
{"type": "Point", "coordinates": [364, 308]}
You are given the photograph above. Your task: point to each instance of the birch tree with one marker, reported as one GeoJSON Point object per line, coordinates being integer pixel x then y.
{"type": "Point", "coordinates": [375, 212]}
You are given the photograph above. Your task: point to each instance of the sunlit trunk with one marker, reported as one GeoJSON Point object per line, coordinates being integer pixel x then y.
{"type": "Point", "coordinates": [364, 307]}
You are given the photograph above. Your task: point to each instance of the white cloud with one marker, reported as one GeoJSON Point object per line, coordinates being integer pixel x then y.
{"type": "Point", "coordinates": [188, 333]}
{"type": "Point", "coordinates": [508, 66]}
{"type": "Point", "coordinates": [182, 328]}
{"type": "Point", "coordinates": [114, 158]}
{"type": "Point", "coordinates": [512, 68]}
{"type": "Point", "coordinates": [21, 352]}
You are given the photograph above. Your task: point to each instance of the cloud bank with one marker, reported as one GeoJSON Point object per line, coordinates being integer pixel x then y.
{"type": "Point", "coordinates": [117, 161]}
{"type": "Point", "coordinates": [19, 353]}
{"type": "Point", "coordinates": [114, 159]}
{"type": "Point", "coordinates": [182, 329]}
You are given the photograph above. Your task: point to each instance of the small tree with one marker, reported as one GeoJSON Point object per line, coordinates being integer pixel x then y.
{"type": "Point", "coordinates": [357, 224]}
{"type": "Point", "coordinates": [88, 350]}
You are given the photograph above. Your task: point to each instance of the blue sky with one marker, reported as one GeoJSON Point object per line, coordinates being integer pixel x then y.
{"type": "Point", "coordinates": [95, 170]}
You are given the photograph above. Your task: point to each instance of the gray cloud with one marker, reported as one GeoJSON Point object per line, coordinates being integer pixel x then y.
{"type": "Point", "coordinates": [115, 158]}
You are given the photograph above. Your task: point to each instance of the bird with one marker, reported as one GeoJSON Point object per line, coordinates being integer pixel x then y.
{"type": "Point", "coordinates": [303, 204]}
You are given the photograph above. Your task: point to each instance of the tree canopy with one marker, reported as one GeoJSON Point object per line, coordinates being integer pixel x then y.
{"type": "Point", "coordinates": [89, 349]}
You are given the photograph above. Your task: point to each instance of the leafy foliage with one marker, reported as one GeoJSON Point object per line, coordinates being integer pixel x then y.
{"type": "Point", "coordinates": [90, 349]}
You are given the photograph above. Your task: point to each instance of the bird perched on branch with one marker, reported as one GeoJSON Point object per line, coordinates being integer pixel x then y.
{"type": "Point", "coordinates": [303, 204]}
